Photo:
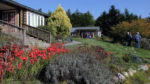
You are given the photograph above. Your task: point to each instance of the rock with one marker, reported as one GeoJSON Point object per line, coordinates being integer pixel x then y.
{"type": "Point", "coordinates": [121, 77]}
{"type": "Point", "coordinates": [143, 67]}
{"type": "Point", "coordinates": [115, 79]}
{"type": "Point", "coordinates": [126, 74]}
{"type": "Point", "coordinates": [131, 72]}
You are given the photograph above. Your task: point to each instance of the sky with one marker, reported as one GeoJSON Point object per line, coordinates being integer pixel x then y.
{"type": "Point", "coordinates": [96, 7]}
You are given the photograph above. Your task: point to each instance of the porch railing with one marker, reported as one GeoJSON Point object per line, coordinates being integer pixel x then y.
{"type": "Point", "coordinates": [39, 33]}
{"type": "Point", "coordinates": [12, 30]}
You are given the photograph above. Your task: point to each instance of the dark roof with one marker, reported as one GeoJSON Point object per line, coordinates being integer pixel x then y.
{"type": "Point", "coordinates": [12, 2]}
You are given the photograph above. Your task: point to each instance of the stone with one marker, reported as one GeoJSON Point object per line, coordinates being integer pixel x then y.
{"type": "Point", "coordinates": [126, 74]}
{"type": "Point", "coordinates": [121, 77]}
{"type": "Point", "coordinates": [143, 67]}
{"type": "Point", "coordinates": [131, 71]}
{"type": "Point", "coordinates": [115, 79]}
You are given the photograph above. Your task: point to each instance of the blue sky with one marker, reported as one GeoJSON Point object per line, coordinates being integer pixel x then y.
{"type": "Point", "coordinates": [96, 7]}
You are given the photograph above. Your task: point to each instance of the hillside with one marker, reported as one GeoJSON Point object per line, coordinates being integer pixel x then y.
{"type": "Point", "coordinates": [118, 49]}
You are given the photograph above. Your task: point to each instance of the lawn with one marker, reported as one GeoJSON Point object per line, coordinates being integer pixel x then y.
{"type": "Point", "coordinates": [118, 49]}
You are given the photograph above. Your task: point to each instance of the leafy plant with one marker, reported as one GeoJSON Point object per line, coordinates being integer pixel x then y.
{"type": "Point", "coordinates": [81, 67]}
{"type": "Point", "coordinates": [145, 43]}
{"type": "Point", "coordinates": [59, 23]}
{"type": "Point", "coordinates": [25, 64]}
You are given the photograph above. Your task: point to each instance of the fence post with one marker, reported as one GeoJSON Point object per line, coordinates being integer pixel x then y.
{"type": "Point", "coordinates": [24, 35]}
{"type": "Point", "coordinates": [50, 38]}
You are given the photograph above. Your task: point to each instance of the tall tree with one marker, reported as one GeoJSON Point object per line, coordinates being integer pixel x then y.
{"type": "Point", "coordinates": [69, 13]}
{"type": "Point", "coordinates": [59, 23]}
{"type": "Point", "coordinates": [79, 19]}
{"type": "Point", "coordinates": [107, 20]}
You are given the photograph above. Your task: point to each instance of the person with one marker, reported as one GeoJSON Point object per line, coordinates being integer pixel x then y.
{"type": "Point", "coordinates": [128, 38]}
{"type": "Point", "coordinates": [137, 39]}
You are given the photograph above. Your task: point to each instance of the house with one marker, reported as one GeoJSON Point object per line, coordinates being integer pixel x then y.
{"type": "Point", "coordinates": [86, 32]}
{"type": "Point", "coordinates": [22, 22]}
{"type": "Point", "coordinates": [21, 15]}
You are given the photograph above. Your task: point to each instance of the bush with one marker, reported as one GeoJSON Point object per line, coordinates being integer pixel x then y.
{"type": "Point", "coordinates": [45, 28]}
{"type": "Point", "coordinates": [59, 23]}
{"type": "Point", "coordinates": [120, 30]}
{"type": "Point", "coordinates": [132, 58]}
{"type": "Point", "coordinates": [81, 67]}
{"type": "Point", "coordinates": [145, 43]}
{"type": "Point", "coordinates": [25, 64]}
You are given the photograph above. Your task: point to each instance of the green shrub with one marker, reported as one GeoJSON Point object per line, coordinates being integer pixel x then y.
{"type": "Point", "coordinates": [145, 43]}
{"type": "Point", "coordinates": [107, 39]}
{"type": "Point", "coordinates": [81, 67]}
{"type": "Point", "coordinates": [132, 58]}
{"type": "Point", "coordinates": [45, 28]}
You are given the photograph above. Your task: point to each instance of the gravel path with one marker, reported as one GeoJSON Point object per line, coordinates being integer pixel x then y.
{"type": "Point", "coordinates": [73, 43]}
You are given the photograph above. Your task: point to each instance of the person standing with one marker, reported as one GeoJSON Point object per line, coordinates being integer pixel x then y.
{"type": "Point", "coordinates": [137, 39]}
{"type": "Point", "coordinates": [128, 38]}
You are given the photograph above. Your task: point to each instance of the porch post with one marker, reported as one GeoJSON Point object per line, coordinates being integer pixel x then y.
{"type": "Point", "coordinates": [21, 18]}
{"type": "Point", "coordinates": [24, 36]}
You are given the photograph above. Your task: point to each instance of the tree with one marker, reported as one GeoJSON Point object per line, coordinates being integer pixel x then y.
{"type": "Point", "coordinates": [79, 19]}
{"type": "Point", "coordinates": [120, 30]}
{"type": "Point", "coordinates": [107, 20]}
{"type": "Point", "coordinates": [69, 13]}
{"type": "Point", "coordinates": [49, 13]}
{"type": "Point", "coordinates": [59, 23]}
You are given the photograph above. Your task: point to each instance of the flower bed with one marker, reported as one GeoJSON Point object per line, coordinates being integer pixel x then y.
{"type": "Point", "coordinates": [21, 64]}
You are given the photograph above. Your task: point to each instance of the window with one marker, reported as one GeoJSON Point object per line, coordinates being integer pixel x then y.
{"type": "Point", "coordinates": [35, 20]}
{"type": "Point", "coordinates": [28, 18]}
{"type": "Point", "coordinates": [41, 21]}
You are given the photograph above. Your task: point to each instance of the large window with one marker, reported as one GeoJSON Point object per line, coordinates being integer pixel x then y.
{"type": "Point", "coordinates": [35, 20]}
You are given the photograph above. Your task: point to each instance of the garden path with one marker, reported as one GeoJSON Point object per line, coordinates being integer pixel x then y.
{"type": "Point", "coordinates": [72, 43]}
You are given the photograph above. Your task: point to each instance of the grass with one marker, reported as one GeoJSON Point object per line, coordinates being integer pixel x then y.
{"type": "Point", "coordinates": [118, 49]}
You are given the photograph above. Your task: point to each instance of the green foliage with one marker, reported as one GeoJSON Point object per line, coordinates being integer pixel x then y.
{"type": "Point", "coordinates": [107, 20]}
{"type": "Point", "coordinates": [47, 28]}
{"type": "Point", "coordinates": [79, 19]}
{"type": "Point", "coordinates": [120, 30]}
{"type": "Point", "coordinates": [107, 39]}
{"type": "Point", "coordinates": [59, 23]}
{"type": "Point", "coordinates": [119, 50]}
{"type": "Point", "coordinates": [132, 58]}
{"type": "Point", "coordinates": [145, 43]}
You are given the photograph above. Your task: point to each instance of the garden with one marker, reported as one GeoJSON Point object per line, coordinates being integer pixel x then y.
{"type": "Point", "coordinates": [94, 61]}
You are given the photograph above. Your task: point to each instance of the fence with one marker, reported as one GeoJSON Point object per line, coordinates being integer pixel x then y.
{"type": "Point", "coordinates": [13, 30]}
{"type": "Point", "coordinates": [39, 33]}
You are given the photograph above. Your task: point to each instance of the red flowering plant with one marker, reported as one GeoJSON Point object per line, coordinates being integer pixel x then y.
{"type": "Point", "coordinates": [26, 63]}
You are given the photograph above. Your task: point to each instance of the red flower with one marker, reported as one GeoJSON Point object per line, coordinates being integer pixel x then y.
{"type": "Point", "coordinates": [62, 44]}
{"type": "Point", "coordinates": [24, 58]}
{"type": "Point", "coordinates": [12, 58]}
{"type": "Point", "coordinates": [54, 53]}
{"type": "Point", "coordinates": [19, 67]}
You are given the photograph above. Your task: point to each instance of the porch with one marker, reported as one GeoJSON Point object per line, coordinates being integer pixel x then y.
{"type": "Point", "coordinates": [11, 14]}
